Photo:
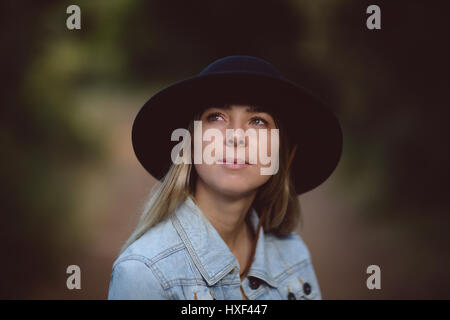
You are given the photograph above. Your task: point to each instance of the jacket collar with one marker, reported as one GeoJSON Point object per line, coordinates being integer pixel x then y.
{"type": "Point", "coordinates": [209, 252]}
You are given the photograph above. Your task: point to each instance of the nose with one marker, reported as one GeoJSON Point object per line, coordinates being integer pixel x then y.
{"type": "Point", "coordinates": [235, 138]}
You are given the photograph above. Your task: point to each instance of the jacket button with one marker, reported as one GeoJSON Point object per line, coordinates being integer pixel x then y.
{"type": "Point", "coordinates": [307, 288]}
{"type": "Point", "coordinates": [291, 296]}
{"type": "Point", "coordinates": [254, 283]}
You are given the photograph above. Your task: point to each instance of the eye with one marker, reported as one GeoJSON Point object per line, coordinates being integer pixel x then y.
{"type": "Point", "coordinates": [214, 117]}
{"type": "Point", "coordinates": [259, 121]}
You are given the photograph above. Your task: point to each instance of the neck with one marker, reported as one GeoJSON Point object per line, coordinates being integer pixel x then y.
{"type": "Point", "coordinates": [226, 213]}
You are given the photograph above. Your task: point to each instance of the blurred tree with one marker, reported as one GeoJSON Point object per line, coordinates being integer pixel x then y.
{"type": "Point", "coordinates": [42, 141]}
{"type": "Point", "coordinates": [174, 39]}
{"type": "Point", "coordinates": [399, 76]}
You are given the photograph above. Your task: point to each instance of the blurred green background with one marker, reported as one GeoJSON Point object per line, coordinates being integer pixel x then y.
{"type": "Point", "coordinates": [72, 187]}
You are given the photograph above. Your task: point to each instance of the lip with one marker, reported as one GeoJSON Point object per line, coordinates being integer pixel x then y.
{"type": "Point", "coordinates": [232, 164]}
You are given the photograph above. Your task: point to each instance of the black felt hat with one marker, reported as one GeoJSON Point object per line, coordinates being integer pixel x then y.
{"type": "Point", "coordinates": [309, 123]}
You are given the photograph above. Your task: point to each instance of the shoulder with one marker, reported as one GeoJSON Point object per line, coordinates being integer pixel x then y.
{"type": "Point", "coordinates": [134, 279]}
{"type": "Point", "coordinates": [139, 271]}
{"type": "Point", "coordinates": [158, 242]}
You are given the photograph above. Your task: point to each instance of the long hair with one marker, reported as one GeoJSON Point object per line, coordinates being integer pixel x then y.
{"type": "Point", "coordinates": [276, 201]}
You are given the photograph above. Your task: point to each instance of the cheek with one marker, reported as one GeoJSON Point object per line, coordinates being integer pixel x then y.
{"type": "Point", "coordinates": [204, 171]}
{"type": "Point", "coordinates": [213, 148]}
{"type": "Point", "coordinates": [209, 174]}
{"type": "Point", "coordinates": [254, 174]}
{"type": "Point", "coordinates": [273, 141]}
{"type": "Point", "coordinates": [267, 146]}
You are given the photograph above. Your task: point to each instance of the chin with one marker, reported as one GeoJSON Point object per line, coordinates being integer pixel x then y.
{"type": "Point", "coordinates": [233, 193]}
{"type": "Point", "coordinates": [235, 189]}
{"type": "Point", "coordinates": [231, 183]}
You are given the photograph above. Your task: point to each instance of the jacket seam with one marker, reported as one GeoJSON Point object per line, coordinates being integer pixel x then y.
{"type": "Point", "coordinates": [156, 258]}
{"type": "Point", "coordinates": [151, 263]}
{"type": "Point", "coordinates": [295, 267]}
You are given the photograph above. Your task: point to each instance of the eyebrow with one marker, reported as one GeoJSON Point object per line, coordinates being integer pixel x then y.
{"type": "Point", "coordinates": [251, 109]}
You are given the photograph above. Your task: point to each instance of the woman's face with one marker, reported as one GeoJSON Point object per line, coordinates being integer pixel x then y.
{"type": "Point", "coordinates": [236, 179]}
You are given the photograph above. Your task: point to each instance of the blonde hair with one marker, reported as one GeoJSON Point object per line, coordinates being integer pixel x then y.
{"type": "Point", "coordinates": [276, 201]}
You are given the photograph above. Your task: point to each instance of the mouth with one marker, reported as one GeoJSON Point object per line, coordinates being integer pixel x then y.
{"type": "Point", "coordinates": [233, 163]}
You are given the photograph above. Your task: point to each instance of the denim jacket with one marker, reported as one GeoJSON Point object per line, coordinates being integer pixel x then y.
{"type": "Point", "coordinates": [184, 257]}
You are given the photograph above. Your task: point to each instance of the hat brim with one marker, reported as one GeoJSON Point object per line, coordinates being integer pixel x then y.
{"type": "Point", "coordinates": [308, 122]}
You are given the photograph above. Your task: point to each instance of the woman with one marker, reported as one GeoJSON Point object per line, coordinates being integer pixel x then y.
{"type": "Point", "coordinates": [224, 229]}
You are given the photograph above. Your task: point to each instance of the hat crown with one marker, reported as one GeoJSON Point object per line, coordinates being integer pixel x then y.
{"type": "Point", "coordinates": [241, 64]}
